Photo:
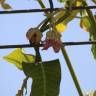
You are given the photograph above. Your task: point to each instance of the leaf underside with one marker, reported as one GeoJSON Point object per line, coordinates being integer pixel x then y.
{"type": "Point", "coordinates": [46, 77]}
{"type": "Point", "coordinates": [17, 56]}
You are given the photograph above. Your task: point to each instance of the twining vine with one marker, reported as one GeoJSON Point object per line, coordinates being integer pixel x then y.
{"type": "Point", "coordinates": [46, 82]}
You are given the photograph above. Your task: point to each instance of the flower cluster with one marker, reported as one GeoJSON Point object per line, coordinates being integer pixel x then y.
{"type": "Point", "coordinates": [52, 40]}
{"type": "Point", "coordinates": [56, 44]}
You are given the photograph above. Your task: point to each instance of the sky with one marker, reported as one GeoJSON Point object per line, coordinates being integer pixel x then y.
{"type": "Point", "coordinates": [13, 29]}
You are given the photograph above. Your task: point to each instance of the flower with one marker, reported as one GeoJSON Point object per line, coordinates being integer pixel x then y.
{"type": "Point", "coordinates": [47, 43]}
{"type": "Point", "coordinates": [61, 27]}
{"type": "Point", "coordinates": [79, 3]}
{"type": "Point", "coordinates": [56, 44]}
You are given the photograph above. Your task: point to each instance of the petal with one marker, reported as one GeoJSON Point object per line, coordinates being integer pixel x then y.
{"type": "Point", "coordinates": [57, 45]}
{"type": "Point", "coordinates": [61, 27]}
{"type": "Point", "coordinates": [48, 43]}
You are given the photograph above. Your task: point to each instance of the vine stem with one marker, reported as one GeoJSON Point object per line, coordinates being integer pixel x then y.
{"type": "Point", "coordinates": [72, 72]}
{"type": "Point", "coordinates": [41, 3]}
{"type": "Point", "coordinates": [24, 85]}
{"type": "Point", "coordinates": [37, 60]}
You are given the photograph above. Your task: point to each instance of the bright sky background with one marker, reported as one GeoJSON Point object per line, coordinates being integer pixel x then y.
{"type": "Point", "coordinates": [12, 31]}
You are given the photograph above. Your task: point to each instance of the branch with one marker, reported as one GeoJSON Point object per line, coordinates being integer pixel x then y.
{"type": "Point", "coordinates": [46, 10]}
{"type": "Point", "coordinates": [41, 45]}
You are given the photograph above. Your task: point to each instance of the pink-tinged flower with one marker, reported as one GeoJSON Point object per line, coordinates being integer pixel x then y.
{"type": "Point", "coordinates": [47, 43]}
{"type": "Point", "coordinates": [56, 44]}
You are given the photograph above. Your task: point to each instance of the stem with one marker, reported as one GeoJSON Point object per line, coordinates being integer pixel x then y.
{"type": "Point", "coordinates": [43, 27]}
{"type": "Point", "coordinates": [38, 56]}
{"type": "Point", "coordinates": [41, 3]}
{"type": "Point", "coordinates": [46, 26]}
{"type": "Point", "coordinates": [24, 85]}
{"type": "Point", "coordinates": [41, 23]}
{"type": "Point", "coordinates": [51, 19]}
{"type": "Point", "coordinates": [68, 62]}
{"type": "Point", "coordinates": [37, 60]}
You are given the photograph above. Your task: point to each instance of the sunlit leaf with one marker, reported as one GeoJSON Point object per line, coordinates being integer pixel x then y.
{"type": "Point", "coordinates": [46, 77]}
{"type": "Point", "coordinates": [85, 24]}
{"type": "Point", "coordinates": [78, 3]}
{"type": "Point", "coordinates": [17, 57]}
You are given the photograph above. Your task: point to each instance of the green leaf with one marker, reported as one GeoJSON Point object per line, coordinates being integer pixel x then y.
{"type": "Point", "coordinates": [17, 57]}
{"type": "Point", "coordinates": [85, 23]}
{"type": "Point", "coordinates": [61, 1]}
{"type": "Point", "coordinates": [6, 6]}
{"type": "Point", "coordinates": [87, 26]}
{"type": "Point", "coordinates": [93, 49]}
{"type": "Point", "coordinates": [46, 77]}
{"type": "Point", "coordinates": [66, 16]}
{"type": "Point", "coordinates": [94, 1]}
